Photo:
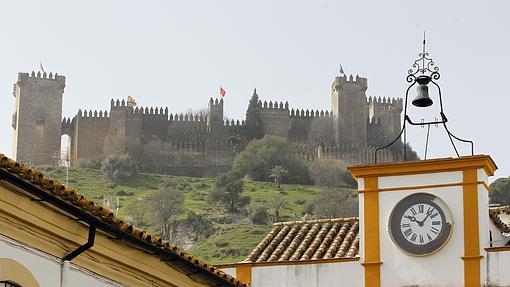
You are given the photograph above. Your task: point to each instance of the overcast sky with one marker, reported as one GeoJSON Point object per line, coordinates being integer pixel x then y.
{"type": "Point", "coordinates": [178, 53]}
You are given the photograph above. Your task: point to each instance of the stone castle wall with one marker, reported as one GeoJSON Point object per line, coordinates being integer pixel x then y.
{"type": "Point", "coordinates": [206, 144]}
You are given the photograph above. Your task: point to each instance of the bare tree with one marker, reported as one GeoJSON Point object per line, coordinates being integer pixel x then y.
{"type": "Point", "coordinates": [165, 205]}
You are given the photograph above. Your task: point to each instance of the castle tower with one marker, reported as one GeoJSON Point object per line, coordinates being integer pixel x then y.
{"type": "Point", "coordinates": [349, 104]}
{"type": "Point", "coordinates": [215, 114]}
{"type": "Point", "coordinates": [38, 117]}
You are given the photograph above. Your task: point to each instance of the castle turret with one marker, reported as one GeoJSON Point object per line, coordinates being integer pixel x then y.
{"type": "Point", "coordinates": [215, 114]}
{"type": "Point", "coordinates": [38, 117]}
{"type": "Point", "coordinates": [349, 104]}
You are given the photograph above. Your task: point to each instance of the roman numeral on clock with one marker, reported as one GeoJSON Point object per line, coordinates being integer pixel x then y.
{"type": "Point", "coordinates": [436, 222]}
{"type": "Point", "coordinates": [434, 230]}
{"type": "Point", "coordinates": [408, 232]}
{"type": "Point", "coordinates": [421, 208]}
{"type": "Point", "coordinates": [413, 238]}
{"type": "Point", "coordinates": [406, 225]}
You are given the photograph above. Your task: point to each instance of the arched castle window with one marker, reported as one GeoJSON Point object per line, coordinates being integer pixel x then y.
{"type": "Point", "coordinates": [39, 116]}
{"type": "Point", "coordinates": [39, 122]}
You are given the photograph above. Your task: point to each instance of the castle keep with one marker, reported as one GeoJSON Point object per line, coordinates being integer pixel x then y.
{"type": "Point", "coordinates": [198, 144]}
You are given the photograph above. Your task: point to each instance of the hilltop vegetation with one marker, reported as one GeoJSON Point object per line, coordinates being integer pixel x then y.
{"type": "Point", "coordinates": [233, 236]}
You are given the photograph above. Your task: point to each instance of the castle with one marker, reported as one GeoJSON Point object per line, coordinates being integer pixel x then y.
{"type": "Point", "coordinates": [193, 144]}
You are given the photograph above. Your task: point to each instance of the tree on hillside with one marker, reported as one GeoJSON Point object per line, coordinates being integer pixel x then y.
{"type": "Point", "coordinates": [335, 203]}
{"type": "Point", "coordinates": [254, 125]}
{"type": "Point", "coordinates": [500, 191]}
{"type": "Point", "coordinates": [165, 205]}
{"type": "Point", "coordinates": [136, 211]}
{"type": "Point", "coordinates": [278, 172]}
{"type": "Point", "coordinates": [276, 204]}
{"type": "Point", "coordinates": [260, 156]}
{"type": "Point", "coordinates": [228, 191]}
{"type": "Point", "coordinates": [118, 167]}
{"type": "Point", "coordinates": [330, 173]}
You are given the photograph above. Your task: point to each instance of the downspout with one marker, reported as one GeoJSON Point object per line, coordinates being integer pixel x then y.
{"type": "Point", "coordinates": [67, 259]}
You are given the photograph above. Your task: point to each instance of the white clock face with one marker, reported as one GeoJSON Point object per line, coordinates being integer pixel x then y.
{"type": "Point", "coordinates": [421, 223]}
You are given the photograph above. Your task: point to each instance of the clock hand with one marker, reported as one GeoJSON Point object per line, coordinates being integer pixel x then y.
{"type": "Point", "coordinates": [412, 218]}
{"type": "Point", "coordinates": [420, 223]}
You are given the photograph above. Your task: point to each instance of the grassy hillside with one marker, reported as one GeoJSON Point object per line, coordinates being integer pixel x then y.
{"type": "Point", "coordinates": [230, 242]}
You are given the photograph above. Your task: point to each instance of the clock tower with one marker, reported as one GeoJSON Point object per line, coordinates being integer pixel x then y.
{"type": "Point", "coordinates": [425, 223]}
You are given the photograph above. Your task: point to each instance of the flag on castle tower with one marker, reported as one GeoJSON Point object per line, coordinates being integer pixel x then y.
{"type": "Point", "coordinates": [341, 70]}
{"type": "Point", "coordinates": [222, 92]}
{"type": "Point", "coordinates": [131, 102]}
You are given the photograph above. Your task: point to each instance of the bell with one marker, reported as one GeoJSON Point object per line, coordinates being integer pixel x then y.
{"type": "Point", "coordinates": [422, 98]}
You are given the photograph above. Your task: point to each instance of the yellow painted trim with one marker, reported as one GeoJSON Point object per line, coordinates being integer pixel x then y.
{"type": "Point", "coordinates": [472, 254]}
{"type": "Point", "coordinates": [243, 273]}
{"type": "Point", "coordinates": [425, 166]}
{"type": "Point", "coordinates": [428, 186]}
{"type": "Point", "coordinates": [372, 255]}
{"type": "Point", "coordinates": [283, 263]}
{"type": "Point", "coordinates": [41, 227]}
{"type": "Point", "coordinates": [13, 271]}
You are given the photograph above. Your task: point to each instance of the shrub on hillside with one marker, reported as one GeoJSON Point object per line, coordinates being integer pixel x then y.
{"type": "Point", "coordinates": [258, 214]}
{"type": "Point", "coordinates": [199, 226]}
{"type": "Point", "coordinates": [118, 168]}
{"type": "Point", "coordinates": [335, 203]}
{"type": "Point", "coordinates": [500, 191]}
{"type": "Point", "coordinates": [260, 156]}
{"type": "Point", "coordinates": [330, 173]}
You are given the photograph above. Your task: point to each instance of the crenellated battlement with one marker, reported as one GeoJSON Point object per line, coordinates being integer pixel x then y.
{"type": "Point", "coordinates": [92, 114]}
{"type": "Point", "coordinates": [215, 102]}
{"type": "Point", "coordinates": [386, 103]}
{"type": "Point", "coordinates": [148, 111]}
{"type": "Point", "coordinates": [342, 81]}
{"type": "Point", "coordinates": [61, 80]}
{"type": "Point", "coordinates": [274, 105]}
{"type": "Point", "coordinates": [310, 113]}
{"type": "Point", "coordinates": [232, 123]}
{"type": "Point", "coordinates": [348, 153]}
{"type": "Point", "coordinates": [188, 118]}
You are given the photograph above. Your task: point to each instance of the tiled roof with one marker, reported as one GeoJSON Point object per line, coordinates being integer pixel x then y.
{"type": "Point", "coordinates": [69, 195]}
{"type": "Point", "coordinates": [500, 216]}
{"type": "Point", "coordinates": [309, 240]}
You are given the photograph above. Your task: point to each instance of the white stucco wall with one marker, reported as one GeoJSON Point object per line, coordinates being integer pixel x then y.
{"type": "Point", "coordinates": [47, 269]}
{"type": "Point", "coordinates": [446, 267]}
{"type": "Point", "coordinates": [498, 263]}
{"type": "Point", "coordinates": [306, 275]}
{"type": "Point", "coordinates": [309, 275]}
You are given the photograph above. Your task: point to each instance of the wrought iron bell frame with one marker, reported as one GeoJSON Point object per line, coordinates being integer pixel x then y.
{"type": "Point", "coordinates": [424, 70]}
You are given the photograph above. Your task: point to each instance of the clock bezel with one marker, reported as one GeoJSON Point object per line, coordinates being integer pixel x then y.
{"type": "Point", "coordinates": [414, 249]}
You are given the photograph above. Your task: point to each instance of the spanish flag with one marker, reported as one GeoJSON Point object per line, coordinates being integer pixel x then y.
{"type": "Point", "coordinates": [222, 92]}
{"type": "Point", "coordinates": [131, 102]}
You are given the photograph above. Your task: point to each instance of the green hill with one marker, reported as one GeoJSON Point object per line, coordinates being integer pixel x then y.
{"type": "Point", "coordinates": [232, 240]}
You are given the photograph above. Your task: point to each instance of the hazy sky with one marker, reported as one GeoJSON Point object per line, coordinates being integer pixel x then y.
{"type": "Point", "coordinates": [178, 53]}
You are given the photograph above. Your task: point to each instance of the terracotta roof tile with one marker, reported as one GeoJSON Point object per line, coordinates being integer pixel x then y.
{"type": "Point", "coordinates": [309, 240]}
{"type": "Point", "coordinates": [500, 217]}
{"type": "Point", "coordinates": [69, 195]}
